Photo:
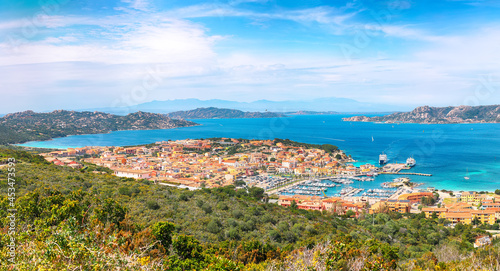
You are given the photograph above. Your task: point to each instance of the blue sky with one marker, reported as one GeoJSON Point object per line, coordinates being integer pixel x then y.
{"type": "Point", "coordinates": [87, 54]}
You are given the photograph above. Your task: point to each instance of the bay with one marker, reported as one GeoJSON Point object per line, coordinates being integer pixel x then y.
{"type": "Point", "coordinates": [447, 151]}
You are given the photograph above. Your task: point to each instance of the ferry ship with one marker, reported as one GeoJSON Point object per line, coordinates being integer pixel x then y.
{"type": "Point", "coordinates": [410, 162]}
{"type": "Point", "coordinates": [382, 159]}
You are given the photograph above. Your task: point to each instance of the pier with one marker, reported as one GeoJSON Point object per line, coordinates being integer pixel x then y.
{"type": "Point", "coordinates": [352, 192]}
{"type": "Point", "coordinates": [395, 169]}
{"type": "Point", "coordinates": [286, 185]}
{"type": "Point", "coordinates": [406, 173]}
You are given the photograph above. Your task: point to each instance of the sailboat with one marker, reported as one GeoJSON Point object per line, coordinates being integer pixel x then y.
{"type": "Point", "coordinates": [373, 139]}
{"type": "Point", "coordinates": [467, 175]}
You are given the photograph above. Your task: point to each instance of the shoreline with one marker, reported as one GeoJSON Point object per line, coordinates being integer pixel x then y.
{"type": "Point", "coordinates": [359, 145]}
{"type": "Point", "coordinates": [422, 123]}
{"type": "Point", "coordinates": [109, 132]}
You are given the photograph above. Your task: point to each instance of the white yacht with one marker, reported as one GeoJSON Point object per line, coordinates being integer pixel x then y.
{"type": "Point", "coordinates": [410, 162]}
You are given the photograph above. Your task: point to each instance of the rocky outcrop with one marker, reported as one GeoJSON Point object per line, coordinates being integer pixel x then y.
{"type": "Point", "coordinates": [439, 115]}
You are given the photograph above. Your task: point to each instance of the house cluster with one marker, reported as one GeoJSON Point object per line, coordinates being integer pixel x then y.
{"type": "Point", "coordinates": [416, 196]}
{"type": "Point", "coordinates": [63, 161]}
{"type": "Point", "coordinates": [472, 207]}
{"type": "Point", "coordinates": [336, 205]}
{"type": "Point", "coordinates": [401, 205]}
{"type": "Point", "coordinates": [213, 163]}
{"type": "Point", "coordinates": [72, 152]}
{"type": "Point", "coordinates": [482, 241]}
{"type": "Point", "coordinates": [66, 157]}
{"type": "Point", "coordinates": [390, 205]}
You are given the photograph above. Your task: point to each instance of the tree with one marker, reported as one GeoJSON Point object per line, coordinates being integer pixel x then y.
{"type": "Point", "coordinates": [240, 183]}
{"type": "Point", "coordinates": [293, 205]}
{"type": "Point", "coordinates": [476, 221]}
{"type": "Point", "coordinates": [162, 231]}
{"type": "Point", "coordinates": [110, 211]}
{"type": "Point", "coordinates": [350, 213]}
{"type": "Point", "coordinates": [187, 247]}
{"type": "Point", "coordinates": [427, 200]}
{"type": "Point", "coordinates": [153, 205]}
{"type": "Point", "coordinates": [497, 191]}
{"type": "Point", "coordinates": [213, 226]}
{"type": "Point", "coordinates": [124, 191]}
{"type": "Point", "coordinates": [256, 192]}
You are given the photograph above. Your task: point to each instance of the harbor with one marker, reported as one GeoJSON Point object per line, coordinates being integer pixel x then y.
{"type": "Point", "coordinates": [339, 186]}
{"type": "Point", "coordinates": [373, 184]}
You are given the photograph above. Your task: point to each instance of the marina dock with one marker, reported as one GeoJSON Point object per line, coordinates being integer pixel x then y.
{"type": "Point", "coordinates": [406, 173]}
{"type": "Point", "coordinates": [395, 169]}
{"type": "Point", "coordinates": [286, 186]}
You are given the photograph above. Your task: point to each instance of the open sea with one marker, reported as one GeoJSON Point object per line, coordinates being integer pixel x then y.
{"type": "Point", "coordinates": [447, 151]}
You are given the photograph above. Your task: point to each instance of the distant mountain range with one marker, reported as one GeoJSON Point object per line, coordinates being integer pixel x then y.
{"type": "Point", "coordinates": [29, 126]}
{"type": "Point", "coordinates": [220, 113]}
{"type": "Point", "coordinates": [440, 115]}
{"type": "Point", "coordinates": [317, 105]}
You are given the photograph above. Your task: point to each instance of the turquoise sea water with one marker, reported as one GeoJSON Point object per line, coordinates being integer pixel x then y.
{"type": "Point", "coordinates": [447, 151]}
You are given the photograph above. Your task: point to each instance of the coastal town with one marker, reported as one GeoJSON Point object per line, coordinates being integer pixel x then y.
{"type": "Point", "coordinates": [211, 162]}
{"type": "Point", "coordinates": [250, 135]}
{"type": "Point", "coordinates": [305, 176]}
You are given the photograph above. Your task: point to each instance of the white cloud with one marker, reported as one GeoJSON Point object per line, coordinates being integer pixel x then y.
{"type": "Point", "coordinates": [237, 2]}
{"type": "Point", "coordinates": [321, 15]}
{"type": "Point", "coordinates": [141, 42]}
{"type": "Point", "coordinates": [142, 5]}
{"type": "Point", "coordinates": [406, 32]}
{"type": "Point", "coordinates": [479, 3]}
{"type": "Point", "coordinates": [476, 51]}
{"type": "Point", "coordinates": [42, 21]}
{"type": "Point", "coordinates": [112, 55]}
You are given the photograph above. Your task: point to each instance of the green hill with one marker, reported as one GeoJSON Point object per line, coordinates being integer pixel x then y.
{"type": "Point", "coordinates": [74, 219]}
{"type": "Point", "coordinates": [30, 126]}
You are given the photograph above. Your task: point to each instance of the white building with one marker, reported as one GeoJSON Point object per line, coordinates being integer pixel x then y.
{"type": "Point", "coordinates": [130, 173]}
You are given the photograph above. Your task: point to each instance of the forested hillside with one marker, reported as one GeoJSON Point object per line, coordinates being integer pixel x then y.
{"type": "Point", "coordinates": [30, 126]}
{"type": "Point", "coordinates": [220, 113]}
{"type": "Point", "coordinates": [70, 218]}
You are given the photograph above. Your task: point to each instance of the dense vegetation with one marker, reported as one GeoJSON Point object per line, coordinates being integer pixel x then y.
{"type": "Point", "coordinates": [68, 218]}
{"type": "Point", "coordinates": [450, 114]}
{"type": "Point", "coordinates": [220, 113]}
{"type": "Point", "coordinates": [30, 126]}
{"type": "Point", "coordinates": [329, 148]}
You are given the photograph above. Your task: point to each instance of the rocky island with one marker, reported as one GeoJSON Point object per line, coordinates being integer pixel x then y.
{"type": "Point", "coordinates": [220, 113]}
{"type": "Point", "coordinates": [30, 126]}
{"type": "Point", "coordinates": [439, 115]}
{"type": "Point", "coordinates": [301, 112]}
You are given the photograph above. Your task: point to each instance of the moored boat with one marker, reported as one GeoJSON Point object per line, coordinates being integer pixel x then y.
{"type": "Point", "coordinates": [410, 162]}
{"type": "Point", "coordinates": [382, 159]}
